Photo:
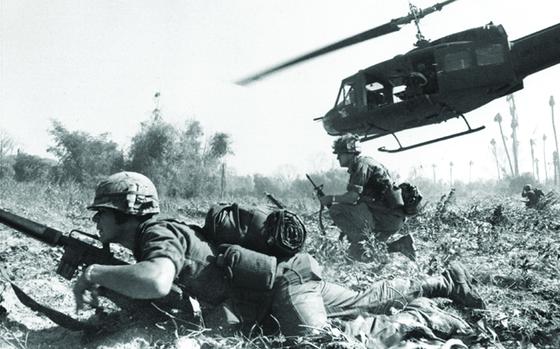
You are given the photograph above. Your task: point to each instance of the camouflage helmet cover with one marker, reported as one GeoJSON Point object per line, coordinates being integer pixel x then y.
{"type": "Point", "coordinates": [348, 143]}
{"type": "Point", "coordinates": [128, 192]}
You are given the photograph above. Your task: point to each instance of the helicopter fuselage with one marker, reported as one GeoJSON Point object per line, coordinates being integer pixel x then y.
{"type": "Point", "coordinates": [439, 80]}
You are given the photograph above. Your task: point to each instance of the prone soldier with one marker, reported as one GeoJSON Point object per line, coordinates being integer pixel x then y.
{"type": "Point", "coordinates": [247, 287]}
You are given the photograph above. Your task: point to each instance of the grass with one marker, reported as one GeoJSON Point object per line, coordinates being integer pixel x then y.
{"type": "Point", "coordinates": [513, 252]}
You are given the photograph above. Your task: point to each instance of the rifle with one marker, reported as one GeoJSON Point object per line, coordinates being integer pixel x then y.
{"type": "Point", "coordinates": [319, 192]}
{"type": "Point", "coordinates": [274, 200]}
{"type": "Point", "coordinates": [80, 250]}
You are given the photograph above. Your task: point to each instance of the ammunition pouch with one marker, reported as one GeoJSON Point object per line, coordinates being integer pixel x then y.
{"type": "Point", "coordinates": [246, 268]}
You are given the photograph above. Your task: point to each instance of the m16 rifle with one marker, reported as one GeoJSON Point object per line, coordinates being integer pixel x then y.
{"type": "Point", "coordinates": [319, 192]}
{"type": "Point", "coordinates": [81, 250]}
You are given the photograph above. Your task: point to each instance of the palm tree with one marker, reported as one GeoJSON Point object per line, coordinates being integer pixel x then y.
{"type": "Point", "coordinates": [450, 173]}
{"type": "Point", "coordinates": [544, 158]}
{"type": "Point", "coordinates": [493, 144]}
{"type": "Point", "coordinates": [498, 119]}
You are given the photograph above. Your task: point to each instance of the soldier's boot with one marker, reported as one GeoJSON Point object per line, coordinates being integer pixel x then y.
{"type": "Point", "coordinates": [404, 245]}
{"type": "Point", "coordinates": [454, 283]}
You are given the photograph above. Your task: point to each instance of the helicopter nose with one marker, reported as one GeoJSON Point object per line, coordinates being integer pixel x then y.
{"type": "Point", "coordinates": [329, 122]}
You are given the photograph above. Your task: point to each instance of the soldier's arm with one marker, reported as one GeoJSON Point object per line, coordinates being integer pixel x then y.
{"type": "Point", "coordinates": [148, 279]}
{"type": "Point", "coordinates": [349, 197]}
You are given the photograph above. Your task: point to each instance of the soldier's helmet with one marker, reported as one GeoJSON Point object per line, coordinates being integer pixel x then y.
{"type": "Point", "coordinates": [527, 187]}
{"type": "Point", "coordinates": [128, 192]}
{"type": "Point", "coordinates": [348, 143]}
{"type": "Point", "coordinates": [286, 232]}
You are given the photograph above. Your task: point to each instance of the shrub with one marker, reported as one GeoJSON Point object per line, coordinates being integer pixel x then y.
{"type": "Point", "coordinates": [29, 167]}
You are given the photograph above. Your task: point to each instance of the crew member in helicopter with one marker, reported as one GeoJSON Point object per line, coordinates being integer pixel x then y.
{"type": "Point", "coordinates": [372, 204]}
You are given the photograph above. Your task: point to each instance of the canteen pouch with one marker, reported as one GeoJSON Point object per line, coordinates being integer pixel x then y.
{"type": "Point", "coordinates": [246, 268]}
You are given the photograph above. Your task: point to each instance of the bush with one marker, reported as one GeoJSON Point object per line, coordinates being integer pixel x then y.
{"type": "Point", "coordinates": [29, 167]}
{"type": "Point", "coordinates": [6, 167]}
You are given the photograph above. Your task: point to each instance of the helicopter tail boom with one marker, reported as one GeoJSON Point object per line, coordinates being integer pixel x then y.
{"type": "Point", "coordinates": [537, 51]}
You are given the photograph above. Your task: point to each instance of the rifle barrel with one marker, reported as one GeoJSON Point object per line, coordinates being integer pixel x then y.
{"type": "Point", "coordinates": [28, 227]}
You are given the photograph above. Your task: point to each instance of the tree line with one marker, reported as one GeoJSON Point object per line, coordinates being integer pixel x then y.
{"type": "Point", "coordinates": [178, 159]}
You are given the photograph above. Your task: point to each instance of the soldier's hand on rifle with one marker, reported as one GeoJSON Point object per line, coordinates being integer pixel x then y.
{"type": "Point", "coordinates": [327, 200]}
{"type": "Point", "coordinates": [85, 291]}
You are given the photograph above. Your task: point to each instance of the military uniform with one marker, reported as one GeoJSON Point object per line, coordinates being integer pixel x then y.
{"type": "Point", "coordinates": [533, 195]}
{"type": "Point", "coordinates": [300, 299]}
{"type": "Point", "coordinates": [227, 276]}
{"type": "Point", "coordinates": [374, 212]}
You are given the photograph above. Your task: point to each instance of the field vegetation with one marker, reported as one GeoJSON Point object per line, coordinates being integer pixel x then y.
{"type": "Point", "coordinates": [513, 251]}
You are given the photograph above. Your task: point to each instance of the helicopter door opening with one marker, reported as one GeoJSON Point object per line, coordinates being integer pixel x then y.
{"type": "Point", "coordinates": [379, 92]}
{"type": "Point", "coordinates": [376, 95]}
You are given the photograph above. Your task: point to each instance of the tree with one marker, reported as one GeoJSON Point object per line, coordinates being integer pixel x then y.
{"type": "Point", "coordinates": [84, 158]}
{"type": "Point", "coordinates": [174, 158]}
{"type": "Point", "coordinates": [6, 147]}
{"type": "Point", "coordinates": [29, 167]}
{"type": "Point", "coordinates": [153, 148]}
{"type": "Point", "coordinates": [220, 146]}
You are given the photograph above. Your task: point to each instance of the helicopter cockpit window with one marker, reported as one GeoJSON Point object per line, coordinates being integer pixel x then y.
{"type": "Point", "coordinates": [457, 61]}
{"type": "Point", "coordinates": [346, 95]}
{"type": "Point", "coordinates": [489, 55]}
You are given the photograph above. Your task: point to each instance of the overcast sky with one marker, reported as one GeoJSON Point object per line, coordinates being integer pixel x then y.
{"type": "Point", "coordinates": [95, 66]}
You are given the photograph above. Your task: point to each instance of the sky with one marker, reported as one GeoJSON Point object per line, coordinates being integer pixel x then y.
{"type": "Point", "coordinates": [95, 66]}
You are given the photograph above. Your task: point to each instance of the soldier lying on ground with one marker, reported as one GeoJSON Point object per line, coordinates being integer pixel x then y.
{"type": "Point", "coordinates": [372, 204]}
{"type": "Point", "coordinates": [257, 287]}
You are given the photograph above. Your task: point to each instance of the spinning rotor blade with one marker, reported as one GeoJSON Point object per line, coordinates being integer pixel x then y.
{"type": "Point", "coordinates": [392, 26]}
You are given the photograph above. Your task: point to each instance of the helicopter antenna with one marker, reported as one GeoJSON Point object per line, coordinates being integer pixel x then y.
{"type": "Point", "coordinates": [416, 12]}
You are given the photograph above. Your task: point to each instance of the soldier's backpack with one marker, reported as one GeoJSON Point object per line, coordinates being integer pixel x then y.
{"type": "Point", "coordinates": [255, 229]}
{"type": "Point", "coordinates": [411, 197]}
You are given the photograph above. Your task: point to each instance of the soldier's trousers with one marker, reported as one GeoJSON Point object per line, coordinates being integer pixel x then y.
{"type": "Point", "coordinates": [303, 306]}
{"type": "Point", "coordinates": [420, 319]}
{"type": "Point", "coordinates": [358, 222]}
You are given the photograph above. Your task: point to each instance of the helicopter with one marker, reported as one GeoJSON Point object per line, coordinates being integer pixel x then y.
{"type": "Point", "coordinates": [434, 82]}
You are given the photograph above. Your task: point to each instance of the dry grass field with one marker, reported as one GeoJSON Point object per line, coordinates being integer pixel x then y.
{"type": "Point", "coordinates": [513, 252]}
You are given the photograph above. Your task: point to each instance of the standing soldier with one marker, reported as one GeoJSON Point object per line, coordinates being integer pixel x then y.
{"type": "Point", "coordinates": [372, 204]}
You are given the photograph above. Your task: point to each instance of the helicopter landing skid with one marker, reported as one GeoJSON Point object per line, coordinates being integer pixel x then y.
{"type": "Point", "coordinates": [401, 148]}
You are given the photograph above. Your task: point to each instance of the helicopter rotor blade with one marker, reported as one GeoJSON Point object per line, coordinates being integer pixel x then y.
{"type": "Point", "coordinates": [391, 26]}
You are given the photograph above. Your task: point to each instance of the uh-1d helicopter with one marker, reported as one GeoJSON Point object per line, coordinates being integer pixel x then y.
{"type": "Point", "coordinates": [434, 82]}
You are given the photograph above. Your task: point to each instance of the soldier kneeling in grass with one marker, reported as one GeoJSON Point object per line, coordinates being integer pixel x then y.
{"type": "Point", "coordinates": [372, 206]}
{"type": "Point", "coordinates": [274, 284]}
